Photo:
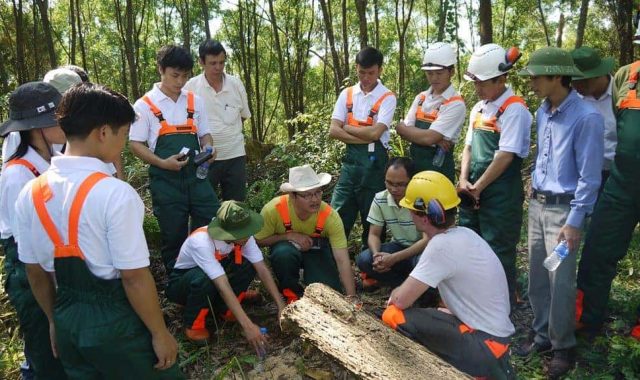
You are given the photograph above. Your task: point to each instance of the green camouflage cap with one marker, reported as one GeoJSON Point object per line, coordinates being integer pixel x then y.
{"type": "Point", "coordinates": [235, 221]}
{"type": "Point", "coordinates": [550, 61]}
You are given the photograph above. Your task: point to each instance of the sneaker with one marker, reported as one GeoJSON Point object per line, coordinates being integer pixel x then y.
{"type": "Point", "coordinates": [562, 362]}
{"type": "Point", "coordinates": [529, 348]}
{"type": "Point", "coordinates": [197, 336]}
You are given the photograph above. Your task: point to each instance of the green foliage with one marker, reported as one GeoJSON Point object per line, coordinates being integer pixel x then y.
{"type": "Point", "coordinates": [624, 356]}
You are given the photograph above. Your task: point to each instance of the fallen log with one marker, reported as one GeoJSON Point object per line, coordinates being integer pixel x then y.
{"type": "Point", "coordinates": [359, 341]}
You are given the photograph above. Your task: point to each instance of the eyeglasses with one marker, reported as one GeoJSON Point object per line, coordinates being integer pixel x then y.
{"type": "Point", "coordinates": [309, 196]}
{"type": "Point", "coordinates": [395, 184]}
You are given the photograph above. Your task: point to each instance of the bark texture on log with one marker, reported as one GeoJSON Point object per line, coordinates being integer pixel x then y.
{"type": "Point", "coordinates": [359, 341]}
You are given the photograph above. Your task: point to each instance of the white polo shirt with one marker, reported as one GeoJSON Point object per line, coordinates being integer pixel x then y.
{"type": "Point", "coordinates": [199, 251]}
{"type": "Point", "coordinates": [10, 146]}
{"type": "Point", "coordinates": [110, 232]}
{"type": "Point", "coordinates": [225, 111]}
{"type": "Point", "coordinates": [450, 116]}
{"type": "Point", "coordinates": [362, 104]}
{"type": "Point", "coordinates": [604, 105]}
{"type": "Point", "coordinates": [12, 180]}
{"type": "Point", "coordinates": [147, 125]}
{"type": "Point", "coordinates": [514, 124]}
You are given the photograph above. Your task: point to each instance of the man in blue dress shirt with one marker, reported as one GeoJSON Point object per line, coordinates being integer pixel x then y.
{"type": "Point", "coordinates": [565, 184]}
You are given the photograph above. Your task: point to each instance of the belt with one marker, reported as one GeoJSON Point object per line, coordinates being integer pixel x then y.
{"type": "Point", "coordinates": [552, 199]}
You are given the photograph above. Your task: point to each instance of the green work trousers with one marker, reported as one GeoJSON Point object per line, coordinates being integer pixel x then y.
{"type": "Point", "coordinates": [318, 265]}
{"type": "Point", "coordinates": [615, 218]}
{"type": "Point", "coordinates": [231, 176]}
{"type": "Point", "coordinates": [176, 198]}
{"type": "Point", "coordinates": [34, 324]}
{"type": "Point", "coordinates": [499, 220]}
{"type": "Point", "coordinates": [196, 291]}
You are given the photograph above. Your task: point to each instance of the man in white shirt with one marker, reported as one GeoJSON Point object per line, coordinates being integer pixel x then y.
{"type": "Point", "coordinates": [225, 100]}
{"type": "Point", "coordinates": [169, 132]}
{"type": "Point", "coordinates": [361, 119]}
{"type": "Point", "coordinates": [473, 332]}
{"type": "Point", "coordinates": [596, 88]}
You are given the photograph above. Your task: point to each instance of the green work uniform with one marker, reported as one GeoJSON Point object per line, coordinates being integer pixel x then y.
{"type": "Point", "coordinates": [98, 334]}
{"type": "Point", "coordinates": [178, 195]}
{"type": "Point", "coordinates": [499, 218]}
{"type": "Point", "coordinates": [422, 155]}
{"type": "Point", "coordinates": [197, 292]}
{"type": "Point", "coordinates": [617, 212]}
{"type": "Point", "coordinates": [33, 322]}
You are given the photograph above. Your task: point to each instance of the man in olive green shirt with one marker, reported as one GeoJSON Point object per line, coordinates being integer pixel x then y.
{"type": "Point", "coordinates": [304, 232]}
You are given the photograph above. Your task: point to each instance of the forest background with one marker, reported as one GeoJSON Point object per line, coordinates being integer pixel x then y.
{"type": "Point", "coordinates": [294, 57]}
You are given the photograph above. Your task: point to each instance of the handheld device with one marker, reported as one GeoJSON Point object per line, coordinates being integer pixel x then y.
{"type": "Point", "coordinates": [185, 153]}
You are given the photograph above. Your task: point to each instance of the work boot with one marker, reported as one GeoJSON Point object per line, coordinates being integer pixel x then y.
{"type": "Point", "coordinates": [562, 362]}
{"type": "Point", "coordinates": [197, 336]}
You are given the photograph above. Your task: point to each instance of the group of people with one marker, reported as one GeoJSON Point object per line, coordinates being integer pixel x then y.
{"type": "Point", "coordinates": [91, 309]}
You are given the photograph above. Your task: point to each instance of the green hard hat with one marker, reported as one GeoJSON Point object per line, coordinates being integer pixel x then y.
{"type": "Point", "coordinates": [588, 61]}
{"type": "Point", "coordinates": [550, 61]}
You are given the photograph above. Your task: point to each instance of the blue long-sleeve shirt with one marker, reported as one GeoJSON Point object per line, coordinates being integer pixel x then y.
{"type": "Point", "coordinates": [570, 151]}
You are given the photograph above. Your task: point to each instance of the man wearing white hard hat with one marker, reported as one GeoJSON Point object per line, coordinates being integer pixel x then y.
{"type": "Point", "coordinates": [496, 143]}
{"type": "Point", "coordinates": [303, 232]}
{"type": "Point", "coordinates": [435, 119]}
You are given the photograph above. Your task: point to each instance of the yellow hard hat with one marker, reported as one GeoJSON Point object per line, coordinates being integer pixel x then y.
{"type": "Point", "coordinates": [426, 186]}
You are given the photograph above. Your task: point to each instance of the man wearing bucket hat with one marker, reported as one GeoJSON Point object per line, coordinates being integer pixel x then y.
{"type": "Point", "coordinates": [473, 333]}
{"type": "Point", "coordinates": [303, 231]}
{"type": "Point", "coordinates": [496, 143]}
{"type": "Point", "coordinates": [215, 266]}
{"type": "Point", "coordinates": [565, 184]}
{"type": "Point", "coordinates": [32, 119]}
{"type": "Point", "coordinates": [617, 213]}
{"type": "Point", "coordinates": [435, 119]}
{"type": "Point", "coordinates": [595, 86]}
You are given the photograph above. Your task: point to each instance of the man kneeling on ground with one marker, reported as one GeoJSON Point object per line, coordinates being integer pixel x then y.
{"type": "Point", "coordinates": [473, 334]}
{"type": "Point", "coordinates": [304, 232]}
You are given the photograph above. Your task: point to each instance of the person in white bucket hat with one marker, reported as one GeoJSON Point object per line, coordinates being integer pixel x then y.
{"type": "Point", "coordinates": [303, 231]}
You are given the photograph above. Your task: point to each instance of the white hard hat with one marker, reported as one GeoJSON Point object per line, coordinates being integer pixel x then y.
{"type": "Point", "coordinates": [490, 61]}
{"type": "Point", "coordinates": [439, 56]}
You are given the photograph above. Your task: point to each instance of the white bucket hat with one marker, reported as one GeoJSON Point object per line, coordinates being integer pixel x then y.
{"type": "Point", "coordinates": [303, 178]}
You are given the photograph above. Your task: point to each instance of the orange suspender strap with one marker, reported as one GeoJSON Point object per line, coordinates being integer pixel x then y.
{"type": "Point", "coordinates": [237, 254]}
{"type": "Point", "coordinates": [156, 112]}
{"type": "Point", "coordinates": [452, 99]}
{"type": "Point", "coordinates": [432, 115]}
{"type": "Point", "coordinates": [165, 127]}
{"type": "Point", "coordinates": [283, 211]}
{"type": "Point", "coordinates": [78, 202]}
{"type": "Point", "coordinates": [491, 124]}
{"type": "Point", "coordinates": [510, 100]}
{"type": "Point", "coordinates": [631, 100]}
{"type": "Point", "coordinates": [25, 163]}
{"type": "Point", "coordinates": [191, 109]}
{"type": "Point", "coordinates": [373, 112]}
{"type": "Point", "coordinates": [41, 193]}
{"type": "Point", "coordinates": [393, 316]}
{"type": "Point", "coordinates": [322, 219]}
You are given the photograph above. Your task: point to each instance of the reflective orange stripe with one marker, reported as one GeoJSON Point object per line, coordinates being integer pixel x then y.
{"type": "Point", "coordinates": [491, 124]}
{"type": "Point", "coordinates": [290, 295]}
{"type": "Point", "coordinates": [41, 193]}
{"type": "Point", "coordinates": [237, 250]}
{"type": "Point", "coordinates": [497, 349]}
{"type": "Point", "coordinates": [199, 322]}
{"type": "Point", "coordinates": [393, 316]}
{"type": "Point", "coordinates": [165, 127]}
{"type": "Point", "coordinates": [283, 211]}
{"type": "Point", "coordinates": [631, 100]}
{"type": "Point", "coordinates": [465, 329]}
{"type": "Point", "coordinates": [374, 110]}
{"type": "Point", "coordinates": [579, 305]}
{"type": "Point", "coordinates": [25, 163]}
{"type": "Point", "coordinates": [432, 115]}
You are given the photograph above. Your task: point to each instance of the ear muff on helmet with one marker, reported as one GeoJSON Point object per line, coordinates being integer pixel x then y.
{"type": "Point", "coordinates": [511, 57]}
{"type": "Point", "coordinates": [467, 200]}
{"type": "Point", "coordinates": [434, 210]}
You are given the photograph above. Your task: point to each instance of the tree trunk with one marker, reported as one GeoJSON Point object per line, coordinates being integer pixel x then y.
{"type": "Point", "coordinates": [486, 22]}
{"type": "Point", "coordinates": [361, 8]}
{"type": "Point", "coordinates": [402, 23]}
{"type": "Point", "coordinates": [205, 15]}
{"type": "Point", "coordinates": [560, 30]}
{"type": "Point", "coordinates": [72, 39]}
{"type": "Point", "coordinates": [185, 22]}
{"type": "Point", "coordinates": [328, 26]}
{"type": "Point", "coordinates": [345, 40]}
{"type": "Point", "coordinates": [43, 7]}
{"type": "Point", "coordinates": [442, 19]}
{"type": "Point", "coordinates": [376, 18]}
{"type": "Point", "coordinates": [36, 51]}
{"type": "Point", "coordinates": [544, 23]}
{"type": "Point", "coordinates": [360, 342]}
{"type": "Point", "coordinates": [21, 69]}
{"type": "Point", "coordinates": [582, 22]}
{"type": "Point", "coordinates": [83, 51]}
{"type": "Point", "coordinates": [284, 81]}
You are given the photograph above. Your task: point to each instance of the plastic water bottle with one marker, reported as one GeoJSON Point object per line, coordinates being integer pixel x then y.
{"type": "Point", "coordinates": [261, 352]}
{"type": "Point", "coordinates": [203, 170]}
{"type": "Point", "coordinates": [438, 159]}
{"type": "Point", "coordinates": [560, 252]}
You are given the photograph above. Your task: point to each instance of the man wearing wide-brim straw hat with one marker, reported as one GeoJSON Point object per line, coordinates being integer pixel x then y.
{"type": "Point", "coordinates": [565, 185]}
{"type": "Point", "coordinates": [303, 231]}
{"type": "Point", "coordinates": [617, 213]}
{"type": "Point", "coordinates": [596, 86]}
{"type": "Point", "coordinates": [215, 266]}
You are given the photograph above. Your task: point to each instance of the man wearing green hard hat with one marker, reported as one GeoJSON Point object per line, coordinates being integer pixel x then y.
{"type": "Point", "coordinates": [595, 86]}
{"type": "Point", "coordinates": [565, 181]}
{"type": "Point", "coordinates": [214, 268]}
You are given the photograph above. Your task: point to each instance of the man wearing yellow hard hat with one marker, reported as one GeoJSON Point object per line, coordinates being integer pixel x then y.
{"type": "Point", "coordinates": [473, 332]}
